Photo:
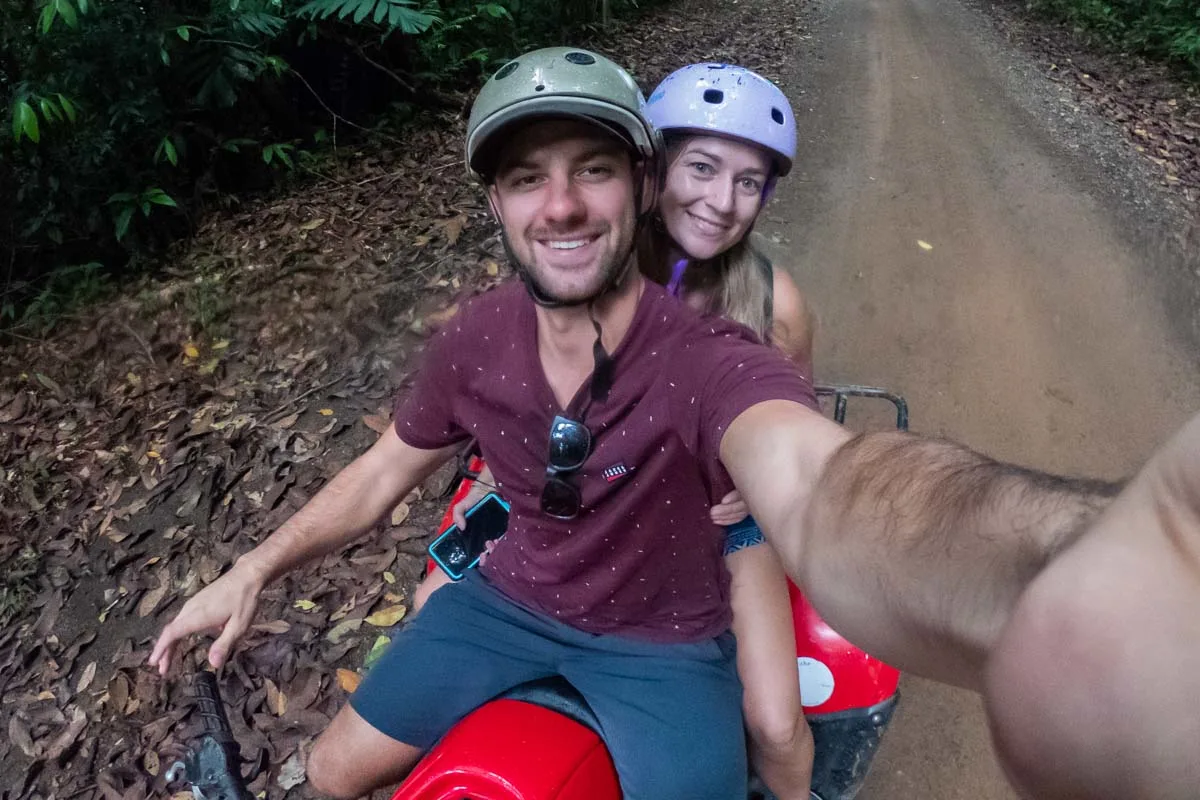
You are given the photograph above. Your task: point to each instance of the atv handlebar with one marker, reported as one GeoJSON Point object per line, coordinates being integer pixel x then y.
{"type": "Point", "coordinates": [840, 393]}
{"type": "Point", "coordinates": [212, 765]}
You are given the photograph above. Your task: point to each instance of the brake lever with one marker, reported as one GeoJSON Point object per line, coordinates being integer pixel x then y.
{"type": "Point", "coordinates": [212, 766]}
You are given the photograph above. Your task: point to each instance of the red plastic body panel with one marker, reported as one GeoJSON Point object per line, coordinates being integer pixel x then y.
{"type": "Point", "coordinates": [834, 674]}
{"type": "Point", "coordinates": [512, 750]}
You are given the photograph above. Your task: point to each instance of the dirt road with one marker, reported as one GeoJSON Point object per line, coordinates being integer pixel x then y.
{"type": "Point", "coordinates": [1037, 328]}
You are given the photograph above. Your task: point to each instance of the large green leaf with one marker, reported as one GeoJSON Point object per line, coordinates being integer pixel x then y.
{"type": "Point", "coordinates": [67, 106]}
{"type": "Point", "coordinates": [50, 111]}
{"type": "Point", "coordinates": [123, 220]}
{"type": "Point", "coordinates": [67, 12]}
{"type": "Point", "coordinates": [25, 122]}
{"type": "Point", "coordinates": [48, 15]}
{"type": "Point", "coordinates": [161, 198]}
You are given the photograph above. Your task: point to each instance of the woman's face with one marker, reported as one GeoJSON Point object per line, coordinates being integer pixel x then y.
{"type": "Point", "coordinates": [713, 194]}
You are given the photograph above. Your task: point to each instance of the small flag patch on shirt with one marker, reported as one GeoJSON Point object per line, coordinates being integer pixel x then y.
{"type": "Point", "coordinates": [618, 470]}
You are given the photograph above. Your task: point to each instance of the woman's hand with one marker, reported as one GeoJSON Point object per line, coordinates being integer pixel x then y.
{"type": "Point", "coordinates": [732, 509]}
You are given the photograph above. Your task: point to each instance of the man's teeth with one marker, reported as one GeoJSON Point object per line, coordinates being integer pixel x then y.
{"type": "Point", "coordinates": [568, 245]}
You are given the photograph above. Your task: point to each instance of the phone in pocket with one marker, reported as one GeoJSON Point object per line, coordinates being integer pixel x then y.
{"type": "Point", "coordinates": [457, 551]}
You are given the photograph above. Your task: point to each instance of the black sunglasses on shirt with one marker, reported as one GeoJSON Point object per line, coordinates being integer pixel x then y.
{"type": "Point", "coordinates": [571, 443]}
{"type": "Point", "coordinates": [570, 446]}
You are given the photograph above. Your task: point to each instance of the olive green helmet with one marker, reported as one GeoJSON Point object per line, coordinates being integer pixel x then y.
{"type": "Point", "coordinates": [557, 81]}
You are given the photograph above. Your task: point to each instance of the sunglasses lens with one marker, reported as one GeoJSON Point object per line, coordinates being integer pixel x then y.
{"type": "Point", "coordinates": [570, 443]}
{"type": "Point", "coordinates": [560, 499]}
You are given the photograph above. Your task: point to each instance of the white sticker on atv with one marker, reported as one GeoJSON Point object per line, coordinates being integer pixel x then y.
{"type": "Point", "coordinates": [816, 682]}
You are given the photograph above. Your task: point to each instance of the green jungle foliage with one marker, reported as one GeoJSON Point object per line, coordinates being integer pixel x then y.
{"type": "Point", "coordinates": [1168, 30]}
{"type": "Point", "coordinates": [129, 117]}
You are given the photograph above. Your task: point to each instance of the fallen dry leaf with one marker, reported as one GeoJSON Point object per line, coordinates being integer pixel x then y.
{"type": "Point", "coordinates": [151, 599]}
{"type": "Point", "coordinates": [151, 763]}
{"type": "Point", "coordinates": [85, 680]}
{"type": "Point", "coordinates": [276, 699]}
{"type": "Point", "coordinates": [275, 626]}
{"type": "Point", "coordinates": [312, 224]}
{"type": "Point", "coordinates": [453, 228]}
{"type": "Point", "coordinates": [292, 774]}
{"type": "Point", "coordinates": [304, 605]}
{"type": "Point", "coordinates": [348, 679]}
{"type": "Point", "coordinates": [924, 245]}
{"type": "Point", "coordinates": [399, 514]}
{"type": "Point", "coordinates": [387, 617]}
{"type": "Point", "coordinates": [18, 734]}
{"type": "Point", "coordinates": [325, 412]}
{"type": "Point", "coordinates": [67, 738]}
{"type": "Point", "coordinates": [339, 631]}
{"type": "Point", "coordinates": [286, 422]}
{"type": "Point", "coordinates": [118, 692]}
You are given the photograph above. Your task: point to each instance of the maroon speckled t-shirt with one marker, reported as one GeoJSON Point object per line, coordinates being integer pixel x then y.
{"type": "Point", "coordinates": [642, 559]}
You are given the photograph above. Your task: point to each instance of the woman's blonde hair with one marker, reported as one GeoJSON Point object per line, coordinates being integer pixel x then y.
{"type": "Point", "coordinates": [738, 282]}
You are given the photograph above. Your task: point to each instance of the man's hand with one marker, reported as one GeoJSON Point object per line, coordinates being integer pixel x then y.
{"type": "Point", "coordinates": [224, 607]}
{"type": "Point", "coordinates": [1092, 688]}
{"type": "Point", "coordinates": [345, 509]}
{"type": "Point", "coordinates": [731, 510]}
{"type": "Point", "coordinates": [479, 489]}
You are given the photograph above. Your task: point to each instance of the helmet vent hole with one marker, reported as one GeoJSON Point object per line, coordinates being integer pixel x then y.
{"type": "Point", "coordinates": [777, 115]}
{"type": "Point", "coordinates": [540, 87]}
{"type": "Point", "coordinates": [507, 69]}
{"type": "Point", "coordinates": [714, 96]}
{"type": "Point", "coordinates": [583, 59]}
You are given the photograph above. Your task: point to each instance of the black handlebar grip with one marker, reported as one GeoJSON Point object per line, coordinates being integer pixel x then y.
{"type": "Point", "coordinates": [211, 708]}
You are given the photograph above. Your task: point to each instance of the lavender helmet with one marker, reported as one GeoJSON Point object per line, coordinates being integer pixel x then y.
{"type": "Point", "coordinates": [730, 101]}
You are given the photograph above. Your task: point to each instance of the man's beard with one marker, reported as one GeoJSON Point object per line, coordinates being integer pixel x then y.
{"type": "Point", "coordinates": [610, 273]}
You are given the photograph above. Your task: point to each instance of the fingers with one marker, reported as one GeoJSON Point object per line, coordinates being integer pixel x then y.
{"type": "Point", "coordinates": [160, 656]}
{"type": "Point", "coordinates": [459, 514]}
{"type": "Point", "coordinates": [160, 659]}
{"type": "Point", "coordinates": [219, 652]}
{"type": "Point", "coordinates": [730, 510]}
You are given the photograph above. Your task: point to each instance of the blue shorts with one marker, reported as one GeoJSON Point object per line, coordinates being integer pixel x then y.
{"type": "Point", "coordinates": [742, 534]}
{"type": "Point", "coordinates": [670, 714]}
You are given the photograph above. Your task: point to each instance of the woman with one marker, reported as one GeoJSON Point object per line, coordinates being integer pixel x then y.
{"type": "Point", "coordinates": [730, 135]}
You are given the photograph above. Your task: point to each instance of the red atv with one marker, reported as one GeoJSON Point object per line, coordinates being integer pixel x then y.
{"type": "Point", "coordinates": [540, 741]}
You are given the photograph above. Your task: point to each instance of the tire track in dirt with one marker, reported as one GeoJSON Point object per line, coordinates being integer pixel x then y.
{"type": "Point", "coordinates": [1036, 328]}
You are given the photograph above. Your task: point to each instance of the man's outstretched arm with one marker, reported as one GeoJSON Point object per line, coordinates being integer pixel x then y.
{"type": "Point", "coordinates": [344, 510]}
{"type": "Point", "coordinates": [1093, 688]}
{"type": "Point", "coordinates": [915, 549]}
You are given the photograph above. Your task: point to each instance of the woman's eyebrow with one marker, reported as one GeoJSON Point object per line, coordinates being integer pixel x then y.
{"type": "Point", "coordinates": [705, 153]}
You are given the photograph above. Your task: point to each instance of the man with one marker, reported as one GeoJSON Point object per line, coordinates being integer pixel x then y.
{"type": "Point", "coordinates": [617, 585]}
{"type": "Point", "coordinates": [917, 549]}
